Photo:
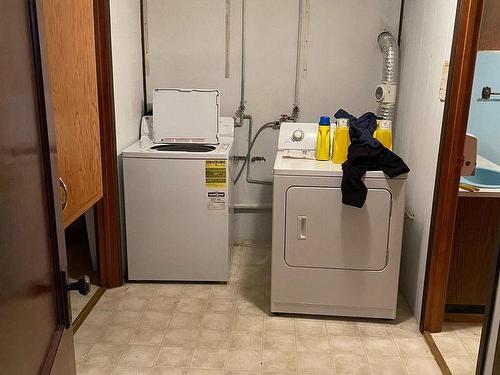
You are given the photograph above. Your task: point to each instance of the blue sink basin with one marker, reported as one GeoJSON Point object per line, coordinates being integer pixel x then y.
{"type": "Point", "coordinates": [484, 178]}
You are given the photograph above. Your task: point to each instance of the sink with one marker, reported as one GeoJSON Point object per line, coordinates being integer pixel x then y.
{"type": "Point", "coordinates": [484, 178]}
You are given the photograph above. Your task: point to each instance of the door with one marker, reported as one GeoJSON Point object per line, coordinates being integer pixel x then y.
{"type": "Point", "coordinates": [322, 232]}
{"type": "Point", "coordinates": [71, 57]}
{"type": "Point", "coordinates": [35, 331]}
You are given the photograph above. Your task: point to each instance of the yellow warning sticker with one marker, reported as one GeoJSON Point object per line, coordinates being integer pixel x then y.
{"type": "Point", "coordinates": [215, 173]}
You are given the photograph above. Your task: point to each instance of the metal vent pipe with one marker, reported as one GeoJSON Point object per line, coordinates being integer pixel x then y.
{"type": "Point", "coordinates": [387, 91]}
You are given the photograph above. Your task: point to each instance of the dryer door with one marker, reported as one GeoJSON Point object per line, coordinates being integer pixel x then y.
{"type": "Point", "coordinates": [321, 232]}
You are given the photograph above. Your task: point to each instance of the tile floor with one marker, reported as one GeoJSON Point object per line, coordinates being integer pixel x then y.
{"type": "Point", "coordinates": [78, 301]}
{"type": "Point", "coordinates": [459, 345]}
{"type": "Point", "coordinates": [215, 329]}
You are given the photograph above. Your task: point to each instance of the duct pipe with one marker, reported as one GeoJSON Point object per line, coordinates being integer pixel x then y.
{"type": "Point", "coordinates": [386, 92]}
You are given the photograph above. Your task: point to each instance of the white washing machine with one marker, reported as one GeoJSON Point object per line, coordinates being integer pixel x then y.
{"type": "Point", "coordinates": [329, 258]}
{"type": "Point", "coordinates": [178, 191]}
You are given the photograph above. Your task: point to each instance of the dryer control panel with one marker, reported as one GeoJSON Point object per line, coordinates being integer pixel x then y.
{"type": "Point", "coordinates": [297, 136]}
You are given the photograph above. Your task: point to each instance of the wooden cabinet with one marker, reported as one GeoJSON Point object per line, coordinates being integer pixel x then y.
{"type": "Point", "coordinates": [473, 254]}
{"type": "Point", "coordinates": [71, 55]}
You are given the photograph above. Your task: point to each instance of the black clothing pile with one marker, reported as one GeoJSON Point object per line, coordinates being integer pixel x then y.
{"type": "Point", "coordinates": [365, 153]}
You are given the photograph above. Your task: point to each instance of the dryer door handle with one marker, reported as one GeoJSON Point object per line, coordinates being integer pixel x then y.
{"type": "Point", "coordinates": [301, 227]}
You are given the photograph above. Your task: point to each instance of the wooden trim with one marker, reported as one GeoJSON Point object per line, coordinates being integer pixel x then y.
{"type": "Point", "coordinates": [107, 210]}
{"type": "Point", "coordinates": [455, 118]}
{"type": "Point", "coordinates": [437, 354]}
{"type": "Point", "coordinates": [77, 322]}
{"type": "Point", "coordinates": [463, 318]}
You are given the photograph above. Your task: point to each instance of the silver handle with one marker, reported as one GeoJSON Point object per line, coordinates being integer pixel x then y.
{"type": "Point", "coordinates": [65, 196]}
{"type": "Point", "coordinates": [301, 227]}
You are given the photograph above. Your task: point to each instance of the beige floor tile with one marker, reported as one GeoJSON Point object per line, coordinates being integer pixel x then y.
{"type": "Point", "coordinates": [406, 329]}
{"type": "Point", "coordinates": [140, 355]}
{"type": "Point", "coordinates": [196, 290]}
{"type": "Point", "coordinates": [236, 372]}
{"type": "Point", "coordinates": [282, 341]}
{"type": "Point", "coordinates": [174, 357]}
{"type": "Point", "coordinates": [159, 370]}
{"type": "Point", "coordinates": [140, 290]}
{"type": "Point", "coordinates": [471, 344]}
{"type": "Point", "coordinates": [421, 366]}
{"type": "Point", "coordinates": [170, 290]}
{"type": "Point", "coordinates": [104, 354]}
{"type": "Point", "coordinates": [186, 320]}
{"type": "Point", "coordinates": [229, 291]}
{"type": "Point", "coordinates": [162, 304]}
{"type": "Point", "coordinates": [213, 338]}
{"type": "Point", "coordinates": [202, 371]}
{"type": "Point", "coordinates": [346, 345]}
{"type": "Point", "coordinates": [94, 370]}
{"type": "Point", "coordinates": [273, 323]}
{"type": "Point", "coordinates": [345, 364]}
{"type": "Point", "coordinates": [132, 370]}
{"type": "Point", "coordinates": [107, 303]}
{"type": "Point", "coordinates": [209, 358]}
{"type": "Point", "coordinates": [249, 323]}
{"type": "Point", "coordinates": [132, 304]}
{"type": "Point", "coordinates": [373, 329]}
{"type": "Point", "coordinates": [81, 349]}
{"type": "Point", "coordinates": [340, 328]}
{"type": "Point", "coordinates": [246, 340]}
{"type": "Point", "coordinates": [88, 334]}
{"type": "Point", "coordinates": [413, 346]}
{"type": "Point", "coordinates": [115, 334]}
{"type": "Point", "coordinates": [449, 344]}
{"type": "Point", "coordinates": [222, 321]}
{"type": "Point", "coordinates": [311, 326]}
{"type": "Point", "coordinates": [314, 362]}
{"type": "Point", "coordinates": [221, 305]}
{"type": "Point", "coordinates": [312, 343]}
{"type": "Point", "coordinates": [180, 337]}
{"type": "Point", "coordinates": [147, 336]}
{"type": "Point", "coordinates": [129, 319]}
{"type": "Point", "coordinates": [379, 346]}
{"type": "Point", "coordinates": [244, 359]}
{"type": "Point", "coordinates": [386, 365]}
{"type": "Point", "coordinates": [254, 307]}
{"type": "Point", "coordinates": [192, 305]}
{"type": "Point", "coordinates": [460, 365]}
{"type": "Point", "coordinates": [98, 318]}
{"type": "Point", "coordinates": [468, 329]}
{"type": "Point", "coordinates": [274, 360]}
{"type": "Point", "coordinates": [155, 319]}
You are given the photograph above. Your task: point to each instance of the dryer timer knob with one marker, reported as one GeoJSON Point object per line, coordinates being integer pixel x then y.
{"type": "Point", "coordinates": [297, 135]}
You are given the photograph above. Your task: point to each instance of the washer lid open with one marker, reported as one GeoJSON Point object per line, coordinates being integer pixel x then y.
{"type": "Point", "coordinates": [185, 115]}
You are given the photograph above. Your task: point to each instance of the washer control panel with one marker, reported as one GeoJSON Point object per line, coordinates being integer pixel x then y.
{"type": "Point", "coordinates": [297, 136]}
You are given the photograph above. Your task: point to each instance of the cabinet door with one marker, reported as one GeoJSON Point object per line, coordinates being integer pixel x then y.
{"type": "Point", "coordinates": [321, 232]}
{"type": "Point", "coordinates": [73, 83]}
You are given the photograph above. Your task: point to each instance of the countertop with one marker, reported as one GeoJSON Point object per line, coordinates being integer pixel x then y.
{"type": "Point", "coordinates": [487, 193]}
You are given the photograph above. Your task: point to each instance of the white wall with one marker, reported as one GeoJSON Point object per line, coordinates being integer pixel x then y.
{"type": "Point", "coordinates": [426, 43]}
{"type": "Point", "coordinates": [127, 70]}
{"type": "Point", "coordinates": [340, 67]}
{"type": "Point", "coordinates": [126, 52]}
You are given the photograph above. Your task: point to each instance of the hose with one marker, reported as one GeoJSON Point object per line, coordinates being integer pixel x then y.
{"type": "Point", "coordinates": [267, 125]}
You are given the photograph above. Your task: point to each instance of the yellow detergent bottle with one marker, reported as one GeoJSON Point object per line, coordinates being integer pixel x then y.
{"type": "Point", "coordinates": [341, 141]}
{"type": "Point", "coordinates": [323, 139]}
{"type": "Point", "coordinates": [384, 133]}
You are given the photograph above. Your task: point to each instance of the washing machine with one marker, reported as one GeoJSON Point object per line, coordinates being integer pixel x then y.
{"type": "Point", "coordinates": [178, 190]}
{"type": "Point", "coordinates": [329, 258]}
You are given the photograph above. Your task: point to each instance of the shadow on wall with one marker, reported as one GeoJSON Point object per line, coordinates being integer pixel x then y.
{"type": "Point", "coordinates": [484, 115]}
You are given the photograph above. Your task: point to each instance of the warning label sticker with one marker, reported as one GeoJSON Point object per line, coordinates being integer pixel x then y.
{"type": "Point", "coordinates": [215, 173]}
{"type": "Point", "coordinates": [216, 200]}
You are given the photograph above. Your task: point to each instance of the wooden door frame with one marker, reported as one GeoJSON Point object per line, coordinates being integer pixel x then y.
{"type": "Point", "coordinates": [107, 209]}
{"type": "Point", "coordinates": [456, 113]}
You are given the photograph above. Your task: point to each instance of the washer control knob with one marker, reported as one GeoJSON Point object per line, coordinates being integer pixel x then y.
{"type": "Point", "coordinates": [297, 135]}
